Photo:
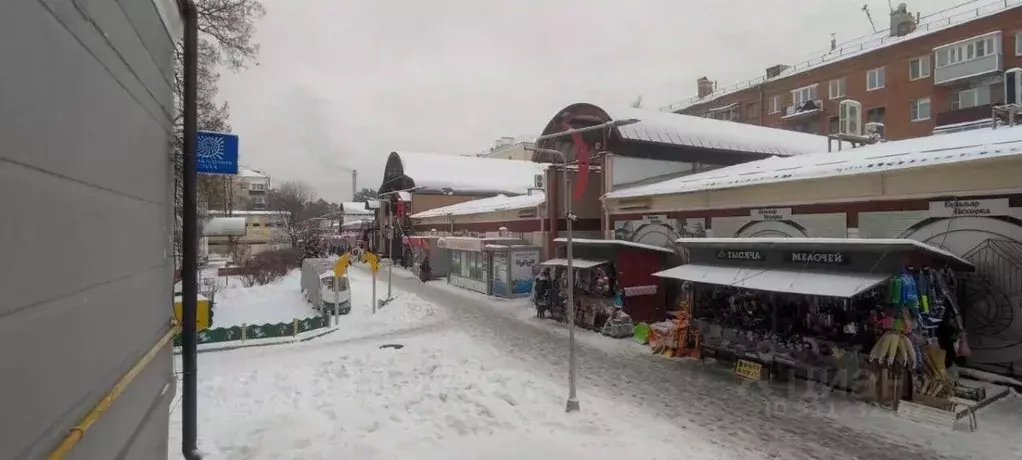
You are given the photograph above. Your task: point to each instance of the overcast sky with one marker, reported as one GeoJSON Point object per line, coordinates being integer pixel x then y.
{"type": "Point", "coordinates": [342, 83]}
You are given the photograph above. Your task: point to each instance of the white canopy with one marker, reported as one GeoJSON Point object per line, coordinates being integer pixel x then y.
{"type": "Point", "coordinates": [778, 280]}
{"type": "Point", "coordinates": [575, 263]}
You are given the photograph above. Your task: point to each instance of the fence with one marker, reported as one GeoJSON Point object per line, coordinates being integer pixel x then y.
{"type": "Point", "coordinates": [247, 332]}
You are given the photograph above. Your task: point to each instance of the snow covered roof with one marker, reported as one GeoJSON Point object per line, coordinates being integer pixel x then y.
{"type": "Point", "coordinates": [245, 172]}
{"type": "Point", "coordinates": [961, 14]}
{"type": "Point", "coordinates": [435, 172]}
{"type": "Point", "coordinates": [692, 131]}
{"type": "Point", "coordinates": [888, 156]}
{"type": "Point", "coordinates": [648, 247]}
{"type": "Point", "coordinates": [355, 208]}
{"type": "Point", "coordinates": [357, 223]}
{"type": "Point", "coordinates": [484, 205]}
{"type": "Point", "coordinates": [886, 244]}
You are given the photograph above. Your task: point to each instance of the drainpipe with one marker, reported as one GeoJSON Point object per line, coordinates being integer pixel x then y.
{"type": "Point", "coordinates": [189, 242]}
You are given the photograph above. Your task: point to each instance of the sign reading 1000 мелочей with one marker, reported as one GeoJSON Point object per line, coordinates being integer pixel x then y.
{"type": "Point", "coordinates": [216, 153]}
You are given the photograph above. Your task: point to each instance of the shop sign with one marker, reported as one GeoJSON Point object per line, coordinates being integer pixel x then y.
{"type": "Point", "coordinates": [725, 254]}
{"type": "Point", "coordinates": [771, 214]}
{"type": "Point", "coordinates": [654, 219]}
{"type": "Point", "coordinates": [748, 369]}
{"type": "Point", "coordinates": [633, 291]}
{"type": "Point", "coordinates": [966, 208]}
{"type": "Point", "coordinates": [812, 257]}
{"type": "Point", "coordinates": [461, 244]}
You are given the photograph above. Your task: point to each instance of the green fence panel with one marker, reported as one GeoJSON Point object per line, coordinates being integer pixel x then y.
{"type": "Point", "coordinates": [258, 331]}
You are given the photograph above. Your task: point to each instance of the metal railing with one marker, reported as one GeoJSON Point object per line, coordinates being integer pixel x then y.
{"type": "Point", "coordinates": [940, 20]}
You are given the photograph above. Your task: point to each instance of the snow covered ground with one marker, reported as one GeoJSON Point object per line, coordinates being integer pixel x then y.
{"type": "Point", "coordinates": [444, 395]}
{"type": "Point", "coordinates": [477, 377]}
{"type": "Point", "coordinates": [277, 302]}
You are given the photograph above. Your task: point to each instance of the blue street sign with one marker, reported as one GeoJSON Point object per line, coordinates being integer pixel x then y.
{"type": "Point", "coordinates": [216, 153]}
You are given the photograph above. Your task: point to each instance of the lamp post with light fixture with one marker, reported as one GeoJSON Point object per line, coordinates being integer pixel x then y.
{"type": "Point", "coordinates": [572, 404]}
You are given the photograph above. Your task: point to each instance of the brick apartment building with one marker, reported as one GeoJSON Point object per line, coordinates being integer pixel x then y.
{"type": "Point", "coordinates": [941, 72]}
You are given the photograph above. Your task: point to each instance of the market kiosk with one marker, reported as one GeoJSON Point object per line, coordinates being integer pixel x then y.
{"type": "Point", "coordinates": [511, 269]}
{"type": "Point", "coordinates": [865, 315]}
{"type": "Point", "coordinates": [469, 262]}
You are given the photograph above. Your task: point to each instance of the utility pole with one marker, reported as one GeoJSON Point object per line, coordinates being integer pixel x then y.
{"type": "Point", "coordinates": [354, 181]}
{"type": "Point", "coordinates": [572, 404]}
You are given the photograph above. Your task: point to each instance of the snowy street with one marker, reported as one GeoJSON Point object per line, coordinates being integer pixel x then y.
{"type": "Point", "coordinates": [711, 403]}
{"type": "Point", "coordinates": [479, 377]}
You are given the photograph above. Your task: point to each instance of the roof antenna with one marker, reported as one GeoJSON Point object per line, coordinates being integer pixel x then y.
{"type": "Point", "coordinates": [833, 41]}
{"type": "Point", "coordinates": [870, 17]}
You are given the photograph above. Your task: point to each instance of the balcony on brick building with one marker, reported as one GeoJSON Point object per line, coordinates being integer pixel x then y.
{"type": "Point", "coordinates": [972, 58]}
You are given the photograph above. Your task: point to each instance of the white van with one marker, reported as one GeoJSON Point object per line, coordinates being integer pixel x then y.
{"type": "Point", "coordinates": [318, 287]}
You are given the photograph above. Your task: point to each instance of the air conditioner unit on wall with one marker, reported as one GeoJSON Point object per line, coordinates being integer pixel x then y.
{"type": "Point", "coordinates": [850, 117]}
{"type": "Point", "coordinates": [1013, 86]}
{"type": "Point", "coordinates": [539, 181]}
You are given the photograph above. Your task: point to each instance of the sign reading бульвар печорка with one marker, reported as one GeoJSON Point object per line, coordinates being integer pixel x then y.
{"type": "Point", "coordinates": [970, 208]}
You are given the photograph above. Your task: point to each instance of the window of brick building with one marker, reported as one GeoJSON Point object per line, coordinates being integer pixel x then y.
{"type": "Point", "coordinates": [876, 79]}
{"type": "Point", "coordinates": [775, 103]}
{"type": "Point", "coordinates": [919, 68]}
{"type": "Point", "coordinates": [920, 109]}
{"type": "Point", "coordinates": [752, 111]}
{"type": "Point", "coordinates": [833, 126]}
{"type": "Point", "coordinates": [836, 88]}
{"type": "Point", "coordinates": [1018, 43]}
{"type": "Point", "coordinates": [876, 115]}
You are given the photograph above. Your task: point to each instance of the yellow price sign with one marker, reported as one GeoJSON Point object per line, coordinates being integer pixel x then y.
{"type": "Point", "coordinates": [373, 261]}
{"type": "Point", "coordinates": [749, 369]}
{"type": "Point", "coordinates": [341, 266]}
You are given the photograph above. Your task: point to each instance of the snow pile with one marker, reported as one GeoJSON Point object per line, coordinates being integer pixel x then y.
{"type": "Point", "coordinates": [469, 174]}
{"type": "Point", "coordinates": [493, 204]}
{"type": "Point", "coordinates": [277, 302]}
{"type": "Point", "coordinates": [889, 156]}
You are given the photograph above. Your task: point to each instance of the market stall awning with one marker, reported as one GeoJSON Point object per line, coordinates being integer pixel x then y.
{"type": "Point", "coordinates": [778, 280]}
{"type": "Point", "coordinates": [876, 245]}
{"type": "Point", "coordinates": [575, 263]}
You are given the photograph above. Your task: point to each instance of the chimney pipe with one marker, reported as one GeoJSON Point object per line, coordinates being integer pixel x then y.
{"type": "Point", "coordinates": [705, 87]}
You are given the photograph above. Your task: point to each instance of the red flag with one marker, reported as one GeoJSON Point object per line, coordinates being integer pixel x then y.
{"type": "Point", "coordinates": [582, 156]}
{"type": "Point", "coordinates": [400, 207]}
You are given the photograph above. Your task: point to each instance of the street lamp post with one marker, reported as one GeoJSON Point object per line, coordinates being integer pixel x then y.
{"type": "Point", "coordinates": [390, 268]}
{"type": "Point", "coordinates": [572, 404]}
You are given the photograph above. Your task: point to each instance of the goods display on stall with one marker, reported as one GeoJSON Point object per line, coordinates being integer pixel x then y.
{"type": "Point", "coordinates": [598, 298]}
{"type": "Point", "coordinates": [878, 318]}
{"type": "Point", "coordinates": [630, 266]}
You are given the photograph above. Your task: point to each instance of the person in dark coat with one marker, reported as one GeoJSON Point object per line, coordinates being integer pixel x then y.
{"type": "Point", "coordinates": [541, 288]}
{"type": "Point", "coordinates": [425, 270]}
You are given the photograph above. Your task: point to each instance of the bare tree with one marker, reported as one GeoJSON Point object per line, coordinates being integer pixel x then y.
{"type": "Point", "coordinates": [289, 202]}
{"type": "Point", "coordinates": [227, 38]}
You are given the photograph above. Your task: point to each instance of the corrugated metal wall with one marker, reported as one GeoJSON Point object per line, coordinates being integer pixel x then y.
{"type": "Point", "coordinates": [85, 187]}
